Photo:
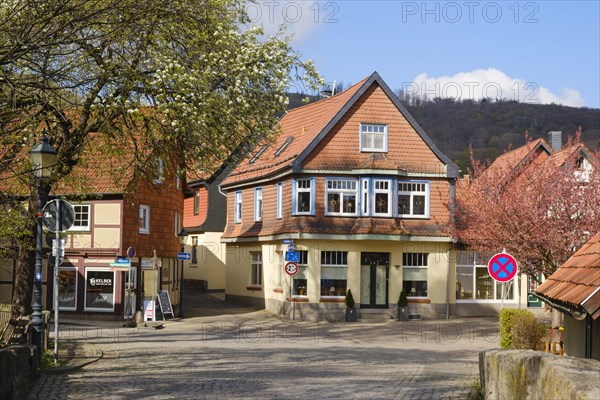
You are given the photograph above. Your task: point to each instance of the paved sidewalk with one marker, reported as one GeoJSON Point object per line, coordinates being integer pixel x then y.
{"type": "Point", "coordinates": [249, 354]}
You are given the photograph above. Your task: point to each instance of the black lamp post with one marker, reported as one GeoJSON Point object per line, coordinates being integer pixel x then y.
{"type": "Point", "coordinates": [43, 159]}
{"type": "Point", "coordinates": [182, 236]}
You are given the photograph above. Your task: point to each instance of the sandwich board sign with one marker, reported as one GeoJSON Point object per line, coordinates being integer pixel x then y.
{"type": "Point", "coordinates": [164, 301]}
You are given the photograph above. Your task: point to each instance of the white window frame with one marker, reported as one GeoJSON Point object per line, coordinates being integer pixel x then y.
{"type": "Point", "coordinates": [368, 132]}
{"type": "Point", "coordinates": [89, 217]}
{"type": "Point", "coordinates": [365, 197]}
{"type": "Point", "coordinates": [419, 188]}
{"type": "Point", "coordinates": [341, 187]}
{"type": "Point", "coordinates": [337, 263]}
{"type": "Point", "coordinates": [299, 187]}
{"type": "Point", "coordinates": [258, 264]}
{"type": "Point", "coordinates": [144, 214]}
{"type": "Point", "coordinates": [258, 204]}
{"type": "Point", "coordinates": [478, 262]}
{"type": "Point", "coordinates": [416, 265]}
{"type": "Point", "coordinates": [85, 306]}
{"type": "Point", "coordinates": [279, 200]}
{"type": "Point", "coordinates": [387, 191]}
{"type": "Point", "coordinates": [237, 208]}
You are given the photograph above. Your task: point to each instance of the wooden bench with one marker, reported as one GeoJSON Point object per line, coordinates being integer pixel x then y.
{"type": "Point", "coordinates": [16, 331]}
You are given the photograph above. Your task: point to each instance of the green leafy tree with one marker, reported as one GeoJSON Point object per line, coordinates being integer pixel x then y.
{"type": "Point", "coordinates": [188, 79]}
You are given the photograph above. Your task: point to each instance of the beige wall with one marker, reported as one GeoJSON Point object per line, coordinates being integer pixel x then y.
{"type": "Point", "coordinates": [210, 264]}
{"type": "Point", "coordinates": [275, 281]}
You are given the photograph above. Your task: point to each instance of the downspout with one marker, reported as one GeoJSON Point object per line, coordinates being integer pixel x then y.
{"type": "Point", "coordinates": [452, 221]}
{"type": "Point", "coordinates": [588, 336]}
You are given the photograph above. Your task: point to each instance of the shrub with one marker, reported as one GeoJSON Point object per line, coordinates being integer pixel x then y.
{"type": "Point", "coordinates": [402, 300]}
{"type": "Point", "coordinates": [519, 329]}
{"type": "Point", "coordinates": [505, 318]}
{"type": "Point", "coordinates": [349, 299]}
{"type": "Point", "coordinates": [527, 332]}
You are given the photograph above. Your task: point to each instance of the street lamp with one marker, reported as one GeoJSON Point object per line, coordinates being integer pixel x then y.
{"type": "Point", "coordinates": [182, 236]}
{"type": "Point", "coordinates": [43, 159]}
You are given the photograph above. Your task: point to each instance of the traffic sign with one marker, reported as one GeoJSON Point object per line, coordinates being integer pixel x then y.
{"type": "Point", "coordinates": [121, 263]}
{"type": "Point", "coordinates": [184, 256]}
{"type": "Point", "coordinates": [291, 268]}
{"type": "Point", "coordinates": [502, 267]}
{"type": "Point", "coordinates": [51, 212]}
{"type": "Point", "coordinates": [293, 256]}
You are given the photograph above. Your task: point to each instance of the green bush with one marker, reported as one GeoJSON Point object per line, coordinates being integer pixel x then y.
{"type": "Point", "coordinates": [519, 329]}
{"type": "Point", "coordinates": [505, 318]}
{"type": "Point", "coordinates": [349, 299]}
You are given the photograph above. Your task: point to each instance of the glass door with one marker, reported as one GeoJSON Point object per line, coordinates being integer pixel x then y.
{"type": "Point", "coordinates": [374, 274]}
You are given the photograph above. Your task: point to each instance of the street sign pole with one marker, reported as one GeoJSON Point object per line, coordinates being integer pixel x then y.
{"type": "Point", "coordinates": [292, 298]}
{"type": "Point", "coordinates": [56, 274]}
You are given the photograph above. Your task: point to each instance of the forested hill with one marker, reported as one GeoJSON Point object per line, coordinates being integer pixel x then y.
{"type": "Point", "coordinates": [492, 126]}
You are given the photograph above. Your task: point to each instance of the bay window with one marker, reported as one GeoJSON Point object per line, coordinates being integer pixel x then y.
{"type": "Point", "coordinates": [413, 199]}
{"type": "Point", "coordinates": [341, 196]}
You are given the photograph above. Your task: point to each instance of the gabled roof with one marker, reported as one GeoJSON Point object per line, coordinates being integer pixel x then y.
{"type": "Point", "coordinates": [570, 152]}
{"type": "Point", "coordinates": [576, 284]}
{"type": "Point", "coordinates": [309, 125]}
{"type": "Point", "coordinates": [510, 162]}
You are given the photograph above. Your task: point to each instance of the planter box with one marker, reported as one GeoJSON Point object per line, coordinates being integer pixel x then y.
{"type": "Point", "coordinates": [350, 314]}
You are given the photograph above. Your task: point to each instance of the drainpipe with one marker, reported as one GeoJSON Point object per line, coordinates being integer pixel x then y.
{"type": "Point", "coordinates": [588, 336]}
{"type": "Point", "coordinates": [448, 284]}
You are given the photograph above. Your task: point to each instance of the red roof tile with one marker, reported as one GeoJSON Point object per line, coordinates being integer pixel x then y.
{"type": "Point", "coordinates": [303, 124]}
{"type": "Point", "coordinates": [577, 282]}
{"type": "Point", "coordinates": [508, 163]}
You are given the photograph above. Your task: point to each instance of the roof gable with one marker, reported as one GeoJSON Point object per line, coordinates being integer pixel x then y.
{"type": "Point", "coordinates": [309, 125]}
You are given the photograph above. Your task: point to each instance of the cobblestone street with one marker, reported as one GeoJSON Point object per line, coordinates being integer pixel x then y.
{"type": "Point", "coordinates": [254, 355]}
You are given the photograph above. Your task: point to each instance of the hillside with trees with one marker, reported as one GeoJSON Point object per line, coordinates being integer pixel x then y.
{"type": "Point", "coordinates": [489, 126]}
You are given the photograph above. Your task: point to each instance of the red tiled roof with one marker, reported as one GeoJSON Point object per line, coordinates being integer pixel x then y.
{"type": "Point", "coordinates": [507, 164]}
{"type": "Point", "coordinates": [577, 282]}
{"type": "Point", "coordinates": [303, 124]}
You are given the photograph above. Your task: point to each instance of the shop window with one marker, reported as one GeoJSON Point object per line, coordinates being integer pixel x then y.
{"type": "Point", "coordinates": [99, 290]}
{"type": "Point", "coordinates": [300, 279]}
{"type": "Point", "coordinates": [473, 281]}
{"type": "Point", "coordinates": [67, 289]}
{"type": "Point", "coordinates": [414, 274]}
{"type": "Point", "coordinates": [334, 272]}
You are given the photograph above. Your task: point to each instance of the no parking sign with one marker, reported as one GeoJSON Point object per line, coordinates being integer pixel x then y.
{"type": "Point", "coordinates": [502, 267]}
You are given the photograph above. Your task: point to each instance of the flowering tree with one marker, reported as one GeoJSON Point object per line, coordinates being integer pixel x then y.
{"type": "Point", "coordinates": [541, 212]}
{"type": "Point", "coordinates": [188, 79]}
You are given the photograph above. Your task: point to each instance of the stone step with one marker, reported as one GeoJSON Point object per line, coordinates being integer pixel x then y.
{"type": "Point", "coordinates": [371, 315]}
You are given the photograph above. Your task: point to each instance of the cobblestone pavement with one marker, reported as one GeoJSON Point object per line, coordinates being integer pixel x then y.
{"type": "Point", "coordinates": [254, 355]}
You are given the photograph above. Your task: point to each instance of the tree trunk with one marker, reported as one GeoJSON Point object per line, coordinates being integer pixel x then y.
{"type": "Point", "coordinates": [25, 263]}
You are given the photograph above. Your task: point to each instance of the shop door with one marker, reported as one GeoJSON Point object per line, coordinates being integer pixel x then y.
{"type": "Point", "coordinates": [374, 272]}
{"type": "Point", "coordinates": [130, 292]}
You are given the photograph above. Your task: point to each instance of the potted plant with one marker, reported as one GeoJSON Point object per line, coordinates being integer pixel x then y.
{"type": "Point", "coordinates": [402, 304]}
{"type": "Point", "coordinates": [350, 310]}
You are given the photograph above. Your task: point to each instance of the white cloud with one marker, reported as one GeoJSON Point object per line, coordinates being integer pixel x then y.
{"type": "Point", "coordinates": [489, 83]}
{"type": "Point", "coordinates": [302, 18]}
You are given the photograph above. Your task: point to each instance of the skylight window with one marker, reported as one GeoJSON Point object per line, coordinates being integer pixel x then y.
{"type": "Point", "coordinates": [258, 154]}
{"type": "Point", "coordinates": [284, 146]}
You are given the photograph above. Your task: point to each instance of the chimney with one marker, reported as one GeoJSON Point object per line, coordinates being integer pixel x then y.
{"type": "Point", "coordinates": [555, 139]}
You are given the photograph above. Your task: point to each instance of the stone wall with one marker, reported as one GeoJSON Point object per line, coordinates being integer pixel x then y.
{"type": "Point", "coordinates": [18, 365]}
{"type": "Point", "coordinates": [527, 374]}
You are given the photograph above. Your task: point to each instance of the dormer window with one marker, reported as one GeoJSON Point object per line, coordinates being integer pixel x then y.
{"type": "Point", "coordinates": [284, 146]}
{"type": "Point", "coordinates": [373, 138]}
{"type": "Point", "coordinates": [258, 154]}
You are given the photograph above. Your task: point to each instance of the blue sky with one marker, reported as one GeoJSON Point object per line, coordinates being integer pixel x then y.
{"type": "Point", "coordinates": [534, 51]}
